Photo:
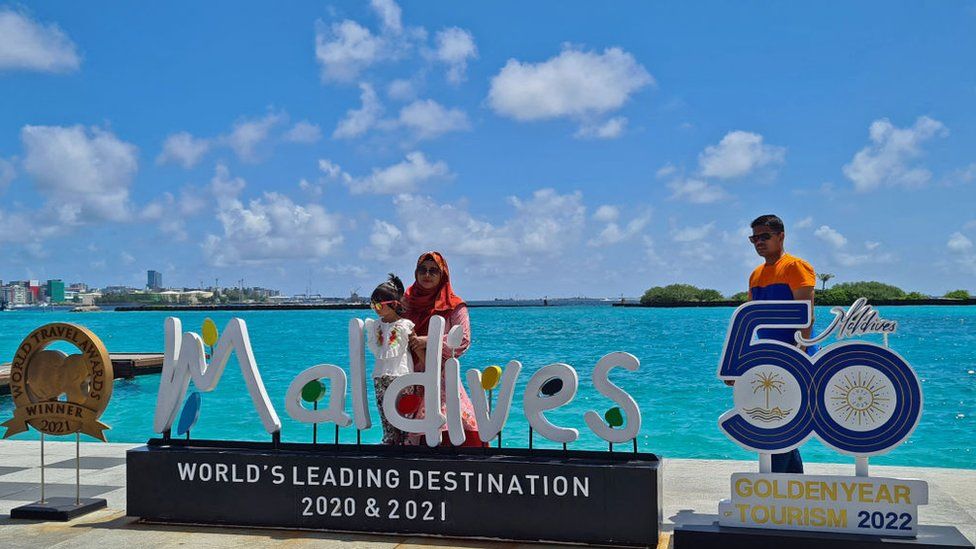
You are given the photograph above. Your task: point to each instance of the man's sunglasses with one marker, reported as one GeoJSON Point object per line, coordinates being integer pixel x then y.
{"type": "Point", "coordinates": [433, 271]}
{"type": "Point", "coordinates": [377, 305]}
{"type": "Point", "coordinates": [761, 237]}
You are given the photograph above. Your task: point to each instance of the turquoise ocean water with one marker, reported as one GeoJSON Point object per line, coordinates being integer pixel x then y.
{"type": "Point", "coordinates": [676, 387]}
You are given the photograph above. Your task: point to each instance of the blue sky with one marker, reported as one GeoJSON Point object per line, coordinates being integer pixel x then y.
{"type": "Point", "coordinates": [547, 148]}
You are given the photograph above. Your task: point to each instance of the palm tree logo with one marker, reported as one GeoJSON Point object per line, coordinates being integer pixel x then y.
{"type": "Point", "coordinates": [767, 382]}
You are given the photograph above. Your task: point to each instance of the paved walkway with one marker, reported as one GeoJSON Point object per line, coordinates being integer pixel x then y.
{"type": "Point", "coordinates": [692, 491]}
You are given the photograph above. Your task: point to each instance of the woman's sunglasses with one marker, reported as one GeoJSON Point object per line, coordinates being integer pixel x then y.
{"type": "Point", "coordinates": [761, 237]}
{"type": "Point", "coordinates": [433, 271]}
{"type": "Point", "coordinates": [377, 305]}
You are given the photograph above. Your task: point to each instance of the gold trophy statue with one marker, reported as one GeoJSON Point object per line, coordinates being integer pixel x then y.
{"type": "Point", "coordinates": [60, 394]}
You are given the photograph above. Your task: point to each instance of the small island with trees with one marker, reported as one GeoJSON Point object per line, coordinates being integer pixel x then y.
{"type": "Point", "coordinates": [878, 293]}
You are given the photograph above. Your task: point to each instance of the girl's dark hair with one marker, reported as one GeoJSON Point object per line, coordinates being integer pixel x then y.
{"type": "Point", "coordinates": [391, 290]}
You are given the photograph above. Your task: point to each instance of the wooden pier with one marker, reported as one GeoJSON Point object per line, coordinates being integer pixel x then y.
{"type": "Point", "coordinates": [124, 366]}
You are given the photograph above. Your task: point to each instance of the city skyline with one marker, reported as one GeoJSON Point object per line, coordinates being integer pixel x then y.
{"type": "Point", "coordinates": [319, 146]}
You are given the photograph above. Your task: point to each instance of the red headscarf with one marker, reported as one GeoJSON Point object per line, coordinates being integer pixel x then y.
{"type": "Point", "coordinates": [423, 303]}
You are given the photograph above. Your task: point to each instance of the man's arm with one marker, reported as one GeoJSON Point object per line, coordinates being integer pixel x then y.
{"type": "Point", "coordinates": [805, 293]}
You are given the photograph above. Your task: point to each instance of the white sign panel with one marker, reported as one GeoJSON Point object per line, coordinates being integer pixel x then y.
{"type": "Point", "coordinates": [855, 505]}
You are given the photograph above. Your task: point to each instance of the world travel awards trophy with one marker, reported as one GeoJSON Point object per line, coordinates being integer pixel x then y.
{"type": "Point", "coordinates": [60, 394]}
{"type": "Point", "coordinates": [857, 397]}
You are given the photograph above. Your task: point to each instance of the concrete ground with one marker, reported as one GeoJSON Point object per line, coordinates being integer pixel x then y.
{"type": "Point", "coordinates": [692, 491]}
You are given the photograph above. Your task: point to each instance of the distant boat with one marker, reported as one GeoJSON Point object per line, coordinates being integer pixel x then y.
{"type": "Point", "coordinates": [86, 309]}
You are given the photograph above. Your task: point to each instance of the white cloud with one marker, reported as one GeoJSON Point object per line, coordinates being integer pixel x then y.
{"type": "Point", "coordinates": [401, 90]}
{"type": "Point", "coordinates": [7, 172]}
{"type": "Point", "coordinates": [183, 149]}
{"type": "Point", "coordinates": [359, 121]}
{"type": "Point", "coordinates": [606, 213]}
{"type": "Point", "coordinates": [247, 135]}
{"type": "Point", "coordinates": [357, 271]}
{"type": "Point", "coordinates": [384, 239]}
{"type": "Point", "coordinates": [575, 84]}
{"type": "Point", "coordinates": [611, 129]}
{"type": "Point", "coordinates": [692, 234]}
{"type": "Point", "coordinates": [665, 171]}
{"type": "Point", "coordinates": [313, 189]}
{"type": "Point", "coordinates": [26, 44]}
{"type": "Point", "coordinates": [15, 227]}
{"type": "Point", "coordinates": [304, 132]}
{"type": "Point", "coordinates": [870, 245]}
{"type": "Point", "coordinates": [738, 154]}
{"type": "Point", "coordinates": [454, 47]}
{"type": "Point", "coordinates": [548, 222]}
{"type": "Point", "coordinates": [402, 177]}
{"type": "Point", "coordinates": [963, 175]}
{"type": "Point", "coordinates": [345, 49]}
{"type": "Point", "coordinates": [170, 213]}
{"type": "Point", "coordinates": [613, 233]}
{"type": "Point", "coordinates": [544, 225]}
{"type": "Point", "coordinates": [428, 119]}
{"type": "Point", "coordinates": [696, 191]}
{"type": "Point", "coordinates": [855, 260]}
{"type": "Point", "coordinates": [270, 228]}
{"type": "Point", "coordinates": [886, 161]}
{"type": "Point", "coordinates": [84, 174]}
{"type": "Point", "coordinates": [389, 13]}
{"type": "Point", "coordinates": [830, 236]}
{"type": "Point", "coordinates": [959, 243]}
{"type": "Point", "coordinates": [804, 223]}
{"type": "Point", "coordinates": [225, 188]}
{"type": "Point", "coordinates": [331, 169]}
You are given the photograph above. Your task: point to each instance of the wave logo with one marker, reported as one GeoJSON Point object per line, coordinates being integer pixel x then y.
{"type": "Point", "coordinates": [859, 398]}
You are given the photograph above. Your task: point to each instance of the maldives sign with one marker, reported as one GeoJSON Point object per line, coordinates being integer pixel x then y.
{"type": "Point", "coordinates": [857, 397]}
{"type": "Point", "coordinates": [607, 498]}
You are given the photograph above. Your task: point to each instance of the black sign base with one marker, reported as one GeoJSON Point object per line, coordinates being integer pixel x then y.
{"type": "Point", "coordinates": [57, 509]}
{"type": "Point", "coordinates": [713, 536]}
{"type": "Point", "coordinates": [487, 493]}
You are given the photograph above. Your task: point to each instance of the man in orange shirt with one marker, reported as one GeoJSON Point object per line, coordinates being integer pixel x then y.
{"type": "Point", "coordinates": [781, 277]}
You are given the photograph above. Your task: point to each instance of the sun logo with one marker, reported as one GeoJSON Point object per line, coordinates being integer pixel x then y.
{"type": "Point", "coordinates": [860, 398]}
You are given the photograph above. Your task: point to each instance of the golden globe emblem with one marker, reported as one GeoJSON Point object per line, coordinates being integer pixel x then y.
{"type": "Point", "coordinates": [40, 377]}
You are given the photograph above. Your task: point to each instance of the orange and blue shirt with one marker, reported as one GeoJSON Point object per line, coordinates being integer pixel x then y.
{"type": "Point", "coordinates": [777, 282]}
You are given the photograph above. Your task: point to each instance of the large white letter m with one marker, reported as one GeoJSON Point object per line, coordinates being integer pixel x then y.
{"type": "Point", "coordinates": [184, 359]}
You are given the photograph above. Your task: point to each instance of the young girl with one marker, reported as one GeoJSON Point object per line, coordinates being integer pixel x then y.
{"type": "Point", "coordinates": [388, 340]}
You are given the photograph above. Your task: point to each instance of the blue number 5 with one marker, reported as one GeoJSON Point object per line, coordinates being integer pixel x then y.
{"type": "Point", "coordinates": [741, 355]}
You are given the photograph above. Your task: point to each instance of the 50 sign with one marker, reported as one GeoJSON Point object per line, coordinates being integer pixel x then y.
{"type": "Point", "coordinates": [859, 398]}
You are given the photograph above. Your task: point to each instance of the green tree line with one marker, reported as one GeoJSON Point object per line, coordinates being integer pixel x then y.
{"type": "Point", "coordinates": [840, 294]}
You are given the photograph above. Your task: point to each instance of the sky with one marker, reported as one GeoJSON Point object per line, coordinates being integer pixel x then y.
{"type": "Point", "coordinates": [546, 148]}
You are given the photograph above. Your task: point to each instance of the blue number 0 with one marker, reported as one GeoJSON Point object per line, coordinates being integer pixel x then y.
{"type": "Point", "coordinates": [812, 374]}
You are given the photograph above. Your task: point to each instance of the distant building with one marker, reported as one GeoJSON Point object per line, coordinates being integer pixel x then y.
{"type": "Point", "coordinates": [118, 290]}
{"type": "Point", "coordinates": [79, 287]}
{"type": "Point", "coordinates": [260, 293]}
{"type": "Point", "coordinates": [34, 291]}
{"type": "Point", "coordinates": [14, 293]}
{"type": "Point", "coordinates": [154, 280]}
{"type": "Point", "coordinates": [55, 291]}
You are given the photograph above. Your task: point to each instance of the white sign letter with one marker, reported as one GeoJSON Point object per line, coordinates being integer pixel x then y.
{"type": "Point", "coordinates": [357, 368]}
{"type": "Point", "coordinates": [489, 425]}
{"type": "Point", "coordinates": [430, 380]}
{"type": "Point", "coordinates": [335, 412]}
{"type": "Point", "coordinates": [601, 382]}
{"type": "Point", "coordinates": [184, 359]}
{"type": "Point", "coordinates": [534, 405]}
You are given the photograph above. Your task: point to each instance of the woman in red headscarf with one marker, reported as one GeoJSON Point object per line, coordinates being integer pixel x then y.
{"type": "Point", "coordinates": [431, 295]}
